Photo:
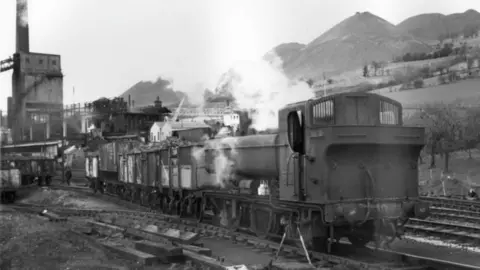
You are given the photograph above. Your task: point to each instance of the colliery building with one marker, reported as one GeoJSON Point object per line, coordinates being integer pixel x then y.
{"type": "Point", "coordinates": [36, 104]}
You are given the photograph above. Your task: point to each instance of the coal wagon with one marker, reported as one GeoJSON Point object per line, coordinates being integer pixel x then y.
{"type": "Point", "coordinates": [23, 171]}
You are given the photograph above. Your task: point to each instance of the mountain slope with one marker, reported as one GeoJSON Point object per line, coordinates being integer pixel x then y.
{"type": "Point", "coordinates": [144, 93]}
{"type": "Point", "coordinates": [431, 26]}
{"type": "Point", "coordinates": [355, 41]}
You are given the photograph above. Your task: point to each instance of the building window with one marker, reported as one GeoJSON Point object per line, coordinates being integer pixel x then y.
{"type": "Point", "coordinates": [27, 60]}
{"type": "Point", "coordinates": [389, 113]}
{"type": "Point", "coordinates": [40, 61]}
{"type": "Point", "coordinates": [54, 62]}
{"type": "Point", "coordinates": [323, 112]}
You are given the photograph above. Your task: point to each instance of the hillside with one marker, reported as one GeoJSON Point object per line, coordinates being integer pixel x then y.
{"type": "Point", "coordinates": [359, 39]}
{"type": "Point", "coordinates": [432, 26]}
{"type": "Point", "coordinates": [465, 91]}
{"type": "Point", "coordinates": [145, 92]}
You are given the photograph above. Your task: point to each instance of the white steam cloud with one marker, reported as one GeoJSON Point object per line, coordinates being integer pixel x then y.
{"type": "Point", "coordinates": [22, 11]}
{"type": "Point", "coordinates": [263, 88]}
{"type": "Point", "coordinates": [221, 162]}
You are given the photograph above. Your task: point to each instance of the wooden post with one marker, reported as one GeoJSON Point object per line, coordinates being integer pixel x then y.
{"type": "Point", "coordinates": [63, 139]}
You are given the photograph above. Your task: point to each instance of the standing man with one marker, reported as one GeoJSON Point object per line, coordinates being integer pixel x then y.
{"type": "Point", "coordinates": [68, 175]}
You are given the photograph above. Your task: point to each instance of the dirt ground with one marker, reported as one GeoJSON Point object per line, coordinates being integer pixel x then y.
{"type": "Point", "coordinates": [64, 198]}
{"type": "Point", "coordinates": [28, 242]}
{"type": "Point", "coordinates": [464, 173]}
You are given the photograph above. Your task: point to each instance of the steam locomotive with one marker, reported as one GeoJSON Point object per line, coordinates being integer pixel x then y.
{"type": "Point", "coordinates": [339, 166]}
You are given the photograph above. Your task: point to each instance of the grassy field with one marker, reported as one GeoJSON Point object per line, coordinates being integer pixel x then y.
{"type": "Point", "coordinates": [467, 90]}
{"type": "Point", "coordinates": [464, 173]}
{"type": "Point", "coordinates": [355, 76]}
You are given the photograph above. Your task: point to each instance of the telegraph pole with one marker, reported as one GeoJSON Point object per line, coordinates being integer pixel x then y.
{"type": "Point", "coordinates": [64, 131]}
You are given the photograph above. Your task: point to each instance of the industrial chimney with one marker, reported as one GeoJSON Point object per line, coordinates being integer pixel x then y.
{"type": "Point", "coordinates": [23, 44]}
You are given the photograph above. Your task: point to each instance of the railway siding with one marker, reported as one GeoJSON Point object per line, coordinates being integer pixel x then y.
{"type": "Point", "coordinates": [145, 226]}
{"type": "Point", "coordinates": [144, 216]}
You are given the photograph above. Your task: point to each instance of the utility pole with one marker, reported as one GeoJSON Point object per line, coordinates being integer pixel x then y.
{"type": "Point", "coordinates": [64, 132]}
{"type": "Point", "coordinates": [324, 85]}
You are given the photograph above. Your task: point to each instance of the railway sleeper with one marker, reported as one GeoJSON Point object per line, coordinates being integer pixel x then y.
{"type": "Point", "coordinates": [258, 217]}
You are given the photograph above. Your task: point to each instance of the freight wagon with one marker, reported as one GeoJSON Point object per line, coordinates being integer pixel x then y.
{"type": "Point", "coordinates": [23, 171]}
{"type": "Point", "coordinates": [339, 166]}
{"type": "Point", "coordinates": [9, 183]}
{"type": "Point", "coordinates": [101, 166]}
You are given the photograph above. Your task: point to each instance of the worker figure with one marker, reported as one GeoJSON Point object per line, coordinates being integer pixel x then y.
{"type": "Point", "coordinates": [68, 175]}
{"type": "Point", "coordinates": [472, 194]}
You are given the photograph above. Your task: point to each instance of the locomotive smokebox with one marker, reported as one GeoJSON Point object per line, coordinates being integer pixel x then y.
{"type": "Point", "coordinates": [22, 32]}
{"type": "Point", "coordinates": [253, 157]}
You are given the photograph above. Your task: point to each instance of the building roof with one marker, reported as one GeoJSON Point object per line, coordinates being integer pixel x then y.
{"type": "Point", "coordinates": [44, 143]}
{"type": "Point", "coordinates": [70, 150]}
{"type": "Point", "coordinates": [159, 124]}
{"type": "Point", "coordinates": [182, 125]}
{"type": "Point", "coordinates": [187, 125]}
{"type": "Point", "coordinates": [220, 99]}
{"type": "Point", "coordinates": [121, 137]}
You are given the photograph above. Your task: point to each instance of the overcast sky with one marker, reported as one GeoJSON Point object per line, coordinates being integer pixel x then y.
{"type": "Point", "coordinates": [109, 45]}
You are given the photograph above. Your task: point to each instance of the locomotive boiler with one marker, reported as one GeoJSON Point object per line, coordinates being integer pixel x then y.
{"type": "Point", "coordinates": [339, 166]}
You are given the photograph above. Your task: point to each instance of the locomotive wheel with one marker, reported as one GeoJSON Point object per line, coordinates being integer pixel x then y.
{"type": "Point", "coordinates": [151, 200]}
{"type": "Point", "coordinates": [146, 197]}
{"type": "Point", "coordinates": [358, 241]}
{"type": "Point", "coordinates": [126, 194]}
{"type": "Point", "coordinates": [49, 180]}
{"type": "Point", "coordinates": [320, 244]}
{"type": "Point", "coordinates": [121, 192]}
{"type": "Point", "coordinates": [8, 197]}
{"type": "Point", "coordinates": [13, 196]}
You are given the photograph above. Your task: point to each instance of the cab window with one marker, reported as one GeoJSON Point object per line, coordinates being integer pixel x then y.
{"type": "Point", "coordinates": [389, 113]}
{"type": "Point", "coordinates": [323, 112]}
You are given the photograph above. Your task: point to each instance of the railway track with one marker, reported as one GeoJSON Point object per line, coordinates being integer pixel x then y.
{"type": "Point", "coordinates": [343, 254]}
{"type": "Point", "coordinates": [446, 230]}
{"type": "Point", "coordinates": [454, 215]}
{"type": "Point", "coordinates": [454, 203]}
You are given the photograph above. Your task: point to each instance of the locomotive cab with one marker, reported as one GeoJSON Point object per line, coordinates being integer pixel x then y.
{"type": "Point", "coordinates": [351, 153]}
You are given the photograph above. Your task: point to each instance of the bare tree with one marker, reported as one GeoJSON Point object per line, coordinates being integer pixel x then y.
{"type": "Point", "coordinates": [471, 129]}
{"type": "Point", "coordinates": [310, 82]}
{"type": "Point", "coordinates": [443, 128]}
{"type": "Point", "coordinates": [376, 66]}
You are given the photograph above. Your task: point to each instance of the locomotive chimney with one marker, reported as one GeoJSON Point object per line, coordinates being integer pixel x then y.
{"type": "Point", "coordinates": [23, 43]}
